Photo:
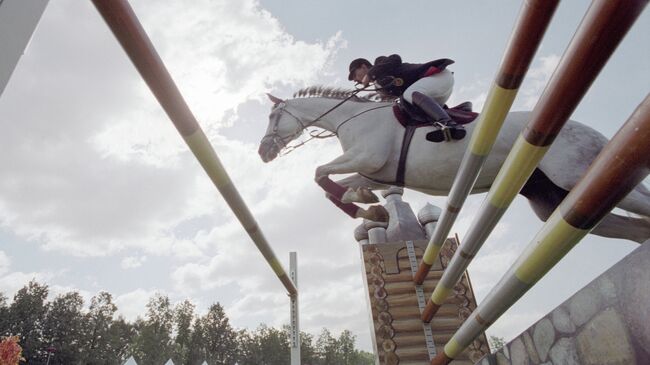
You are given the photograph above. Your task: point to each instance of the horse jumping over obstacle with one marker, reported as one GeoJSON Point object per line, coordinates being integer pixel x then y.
{"type": "Point", "coordinates": [371, 139]}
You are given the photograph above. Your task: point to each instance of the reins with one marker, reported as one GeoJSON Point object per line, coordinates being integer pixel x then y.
{"type": "Point", "coordinates": [321, 134]}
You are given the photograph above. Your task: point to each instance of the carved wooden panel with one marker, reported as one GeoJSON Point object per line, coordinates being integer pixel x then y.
{"type": "Point", "coordinates": [395, 313]}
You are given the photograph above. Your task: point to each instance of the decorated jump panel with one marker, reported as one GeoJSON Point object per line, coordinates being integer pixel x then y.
{"type": "Point", "coordinates": [397, 327]}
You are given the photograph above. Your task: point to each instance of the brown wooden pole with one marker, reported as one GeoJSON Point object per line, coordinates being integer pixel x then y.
{"type": "Point", "coordinates": [123, 22]}
{"type": "Point", "coordinates": [599, 33]}
{"type": "Point", "coordinates": [601, 30]}
{"type": "Point", "coordinates": [620, 166]}
{"type": "Point", "coordinates": [534, 18]}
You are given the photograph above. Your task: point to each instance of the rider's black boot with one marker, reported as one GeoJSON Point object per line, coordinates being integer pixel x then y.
{"type": "Point", "coordinates": [448, 129]}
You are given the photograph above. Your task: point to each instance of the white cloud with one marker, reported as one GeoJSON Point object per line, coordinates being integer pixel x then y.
{"type": "Point", "coordinates": [536, 79]}
{"type": "Point", "coordinates": [11, 282]}
{"type": "Point", "coordinates": [5, 263]}
{"type": "Point", "coordinates": [112, 173]}
{"type": "Point", "coordinates": [133, 304]}
{"type": "Point", "coordinates": [132, 262]}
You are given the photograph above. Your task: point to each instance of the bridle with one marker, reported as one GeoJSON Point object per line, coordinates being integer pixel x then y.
{"type": "Point", "coordinates": [281, 142]}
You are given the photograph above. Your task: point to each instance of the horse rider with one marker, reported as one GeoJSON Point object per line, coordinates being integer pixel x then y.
{"type": "Point", "coordinates": [425, 85]}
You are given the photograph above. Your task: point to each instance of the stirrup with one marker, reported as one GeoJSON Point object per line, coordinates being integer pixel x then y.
{"type": "Point", "coordinates": [445, 133]}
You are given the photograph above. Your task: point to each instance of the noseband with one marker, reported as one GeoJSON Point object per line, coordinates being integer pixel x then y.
{"type": "Point", "coordinates": [281, 142]}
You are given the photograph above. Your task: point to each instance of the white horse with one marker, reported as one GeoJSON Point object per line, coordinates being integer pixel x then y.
{"type": "Point", "coordinates": [371, 139]}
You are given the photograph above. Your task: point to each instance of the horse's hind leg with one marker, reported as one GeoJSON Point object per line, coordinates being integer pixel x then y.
{"type": "Point", "coordinates": [545, 197]}
{"type": "Point", "coordinates": [542, 194]}
{"type": "Point", "coordinates": [618, 226]}
{"type": "Point", "coordinates": [637, 201]}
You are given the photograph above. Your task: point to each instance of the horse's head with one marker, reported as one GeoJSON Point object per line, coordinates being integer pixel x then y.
{"type": "Point", "coordinates": [285, 125]}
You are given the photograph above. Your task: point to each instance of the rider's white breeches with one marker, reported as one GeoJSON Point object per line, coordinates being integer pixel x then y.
{"type": "Point", "coordinates": [438, 87]}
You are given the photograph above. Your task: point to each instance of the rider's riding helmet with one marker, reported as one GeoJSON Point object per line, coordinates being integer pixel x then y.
{"type": "Point", "coordinates": [356, 64]}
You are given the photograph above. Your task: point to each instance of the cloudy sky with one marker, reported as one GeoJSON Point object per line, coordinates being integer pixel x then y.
{"type": "Point", "coordinates": [98, 191]}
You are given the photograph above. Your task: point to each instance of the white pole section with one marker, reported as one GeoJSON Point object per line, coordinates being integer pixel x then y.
{"type": "Point", "coordinates": [295, 322]}
{"type": "Point", "coordinates": [18, 20]}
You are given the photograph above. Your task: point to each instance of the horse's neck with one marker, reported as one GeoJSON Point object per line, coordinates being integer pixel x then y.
{"type": "Point", "coordinates": [331, 122]}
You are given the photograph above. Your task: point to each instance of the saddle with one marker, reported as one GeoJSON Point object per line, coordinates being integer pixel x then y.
{"type": "Point", "coordinates": [410, 115]}
{"type": "Point", "coordinates": [412, 118]}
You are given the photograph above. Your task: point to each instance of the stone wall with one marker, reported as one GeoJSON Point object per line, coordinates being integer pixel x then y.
{"type": "Point", "coordinates": [605, 323]}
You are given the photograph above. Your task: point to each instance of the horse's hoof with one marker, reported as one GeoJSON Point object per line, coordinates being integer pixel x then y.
{"type": "Point", "coordinates": [377, 213]}
{"type": "Point", "coordinates": [366, 196]}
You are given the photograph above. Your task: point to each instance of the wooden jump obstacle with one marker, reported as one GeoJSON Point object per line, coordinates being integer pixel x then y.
{"type": "Point", "coordinates": [390, 253]}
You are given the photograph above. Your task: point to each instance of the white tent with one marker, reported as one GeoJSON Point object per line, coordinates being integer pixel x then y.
{"type": "Point", "coordinates": [130, 361]}
{"type": "Point", "coordinates": [169, 362]}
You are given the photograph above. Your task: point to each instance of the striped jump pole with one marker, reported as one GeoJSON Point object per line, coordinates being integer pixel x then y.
{"type": "Point", "coordinates": [533, 20]}
{"type": "Point", "coordinates": [620, 166]}
{"type": "Point", "coordinates": [123, 22]}
{"type": "Point", "coordinates": [603, 27]}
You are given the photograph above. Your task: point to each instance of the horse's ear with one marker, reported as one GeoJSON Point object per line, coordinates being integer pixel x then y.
{"type": "Point", "coordinates": [274, 99]}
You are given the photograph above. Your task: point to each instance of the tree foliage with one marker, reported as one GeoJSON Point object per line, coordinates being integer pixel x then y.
{"type": "Point", "coordinates": [67, 332]}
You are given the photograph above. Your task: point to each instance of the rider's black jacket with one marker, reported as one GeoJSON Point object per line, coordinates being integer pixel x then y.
{"type": "Point", "coordinates": [394, 76]}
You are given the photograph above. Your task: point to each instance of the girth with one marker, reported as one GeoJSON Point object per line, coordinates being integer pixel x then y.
{"type": "Point", "coordinates": [409, 131]}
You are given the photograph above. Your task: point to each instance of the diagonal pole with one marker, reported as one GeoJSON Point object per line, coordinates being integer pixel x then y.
{"type": "Point", "coordinates": [531, 25]}
{"type": "Point", "coordinates": [124, 24]}
{"type": "Point", "coordinates": [621, 165]}
{"type": "Point", "coordinates": [600, 32]}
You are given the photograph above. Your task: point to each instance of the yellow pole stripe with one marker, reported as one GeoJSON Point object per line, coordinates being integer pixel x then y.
{"type": "Point", "coordinates": [521, 162]}
{"type": "Point", "coordinates": [204, 152]}
{"type": "Point", "coordinates": [453, 348]}
{"type": "Point", "coordinates": [492, 116]}
{"type": "Point", "coordinates": [277, 267]}
{"type": "Point", "coordinates": [440, 294]}
{"type": "Point", "coordinates": [431, 253]}
{"type": "Point", "coordinates": [553, 241]}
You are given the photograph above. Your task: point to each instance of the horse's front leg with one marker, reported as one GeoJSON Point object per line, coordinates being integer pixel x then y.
{"type": "Point", "coordinates": [360, 189]}
{"type": "Point", "coordinates": [345, 164]}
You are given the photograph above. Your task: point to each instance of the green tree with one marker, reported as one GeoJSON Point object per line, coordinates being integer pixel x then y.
{"type": "Point", "coordinates": [266, 346]}
{"type": "Point", "coordinates": [153, 344]}
{"type": "Point", "coordinates": [183, 317]}
{"type": "Point", "coordinates": [26, 314]}
{"type": "Point", "coordinates": [219, 338]}
{"type": "Point", "coordinates": [197, 353]}
{"type": "Point", "coordinates": [63, 328]}
{"type": "Point", "coordinates": [308, 353]}
{"type": "Point", "coordinates": [98, 320]}
{"type": "Point", "coordinates": [4, 316]}
{"type": "Point", "coordinates": [120, 337]}
{"type": "Point", "coordinates": [327, 349]}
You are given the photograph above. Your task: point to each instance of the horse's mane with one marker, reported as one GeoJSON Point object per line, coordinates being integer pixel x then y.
{"type": "Point", "coordinates": [320, 91]}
